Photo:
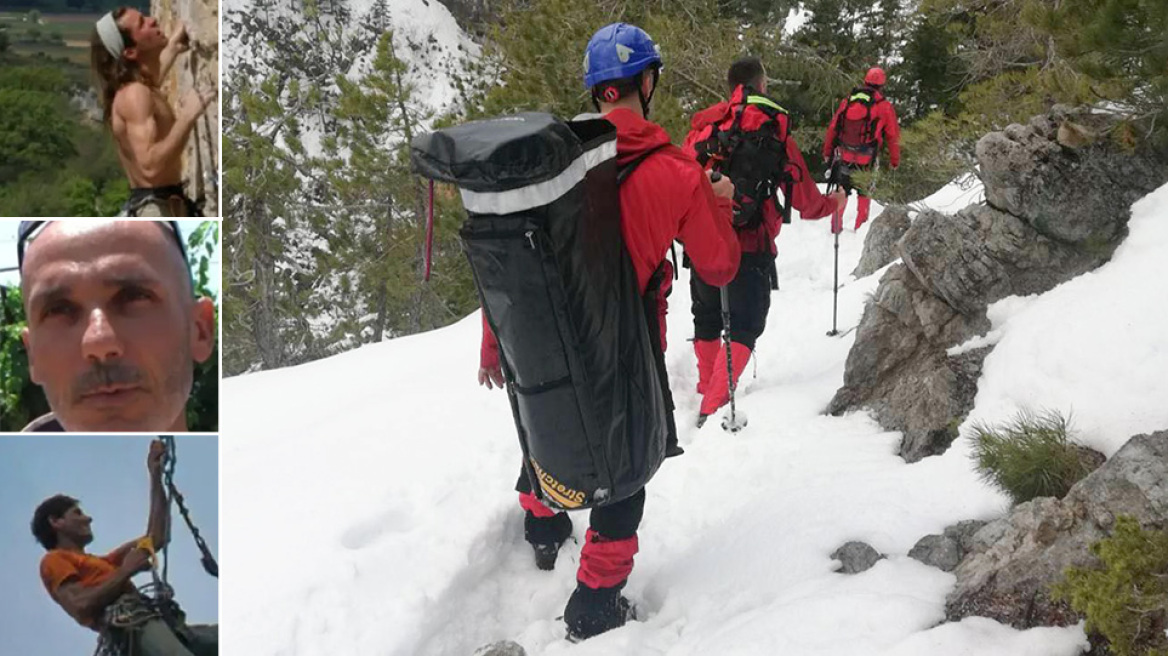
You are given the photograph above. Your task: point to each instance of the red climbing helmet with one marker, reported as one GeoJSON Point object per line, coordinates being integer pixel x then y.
{"type": "Point", "coordinates": [875, 77]}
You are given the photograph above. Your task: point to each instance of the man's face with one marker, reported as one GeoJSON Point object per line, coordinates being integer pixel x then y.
{"type": "Point", "coordinates": [74, 525]}
{"type": "Point", "coordinates": [144, 30]}
{"type": "Point", "coordinates": [112, 328]}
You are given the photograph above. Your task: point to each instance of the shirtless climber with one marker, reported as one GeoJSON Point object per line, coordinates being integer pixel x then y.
{"type": "Point", "coordinates": [130, 56]}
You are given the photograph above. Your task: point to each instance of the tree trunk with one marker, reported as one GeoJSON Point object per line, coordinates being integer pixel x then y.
{"type": "Point", "coordinates": [419, 210]}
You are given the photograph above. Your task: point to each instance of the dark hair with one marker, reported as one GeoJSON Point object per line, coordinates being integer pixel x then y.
{"type": "Point", "coordinates": [54, 507]}
{"type": "Point", "coordinates": [747, 70]}
{"type": "Point", "coordinates": [111, 73]}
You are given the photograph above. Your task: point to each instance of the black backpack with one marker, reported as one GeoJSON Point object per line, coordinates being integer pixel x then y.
{"type": "Point", "coordinates": [544, 241]}
{"type": "Point", "coordinates": [755, 160]}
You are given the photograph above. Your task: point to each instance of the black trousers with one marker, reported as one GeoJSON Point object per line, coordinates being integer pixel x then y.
{"type": "Point", "coordinates": [843, 177]}
{"type": "Point", "coordinates": [616, 521]}
{"type": "Point", "coordinates": [750, 301]}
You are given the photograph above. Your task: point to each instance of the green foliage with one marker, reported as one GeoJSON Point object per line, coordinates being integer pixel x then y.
{"type": "Point", "coordinates": [20, 399]}
{"type": "Point", "coordinates": [203, 405]}
{"type": "Point", "coordinates": [34, 131]}
{"type": "Point", "coordinates": [1030, 456]}
{"type": "Point", "coordinates": [52, 163]}
{"type": "Point", "coordinates": [1126, 599]}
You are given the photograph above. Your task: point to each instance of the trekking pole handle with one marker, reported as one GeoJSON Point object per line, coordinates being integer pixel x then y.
{"type": "Point", "coordinates": [715, 176]}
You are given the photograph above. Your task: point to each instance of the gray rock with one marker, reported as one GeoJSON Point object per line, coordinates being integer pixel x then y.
{"type": "Point", "coordinates": [501, 648]}
{"type": "Point", "coordinates": [880, 244]}
{"type": "Point", "coordinates": [474, 16]}
{"type": "Point", "coordinates": [981, 255]}
{"type": "Point", "coordinates": [1015, 560]}
{"type": "Point", "coordinates": [856, 557]}
{"type": "Point", "coordinates": [937, 551]}
{"type": "Point", "coordinates": [1080, 195]}
{"type": "Point", "coordinates": [962, 533]}
{"type": "Point", "coordinates": [900, 371]}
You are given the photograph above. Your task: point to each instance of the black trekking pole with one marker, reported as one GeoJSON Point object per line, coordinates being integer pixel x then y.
{"type": "Point", "coordinates": [732, 422]}
{"type": "Point", "coordinates": [832, 184]}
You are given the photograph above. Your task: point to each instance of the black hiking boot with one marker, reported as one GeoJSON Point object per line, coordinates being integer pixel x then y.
{"type": "Point", "coordinates": [591, 612]}
{"type": "Point", "coordinates": [546, 535]}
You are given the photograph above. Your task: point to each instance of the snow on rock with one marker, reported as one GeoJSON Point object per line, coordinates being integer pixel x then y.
{"type": "Point", "coordinates": [1094, 346]}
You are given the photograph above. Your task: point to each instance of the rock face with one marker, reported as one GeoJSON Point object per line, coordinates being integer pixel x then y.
{"type": "Point", "coordinates": [1039, 230]}
{"type": "Point", "coordinates": [856, 557]}
{"type": "Point", "coordinates": [474, 16]}
{"type": "Point", "coordinates": [1077, 194]}
{"type": "Point", "coordinates": [1015, 560]}
{"type": "Point", "coordinates": [880, 244]}
{"type": "Point", "coordinates": [199, 68]}
{"type": "Point", "coordinates": [903, 374]}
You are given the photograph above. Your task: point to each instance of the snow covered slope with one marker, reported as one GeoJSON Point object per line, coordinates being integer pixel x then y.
{"type": "Point", "coordinates": [373, 509]}
{"type": "Point", "coordinates": [426, 37]}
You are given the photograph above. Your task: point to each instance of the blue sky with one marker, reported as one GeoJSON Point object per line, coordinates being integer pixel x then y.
{"type": "Point", "coordinates": [108, 474]}
{"type": "Point", "coordinates": [8, 251]}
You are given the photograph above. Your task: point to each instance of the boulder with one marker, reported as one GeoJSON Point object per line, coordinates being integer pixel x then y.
{"type": "Point", "coordinates": [946, 551]}
{"type": "Point", "coordinates": [856, 557]}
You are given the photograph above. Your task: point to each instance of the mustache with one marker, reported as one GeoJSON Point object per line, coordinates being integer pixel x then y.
{"type": "Point", "coordinates": [103, 374]}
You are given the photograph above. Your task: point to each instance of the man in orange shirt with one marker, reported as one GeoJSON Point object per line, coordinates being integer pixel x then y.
{"type": "Point", "coordinates": [93, 589]}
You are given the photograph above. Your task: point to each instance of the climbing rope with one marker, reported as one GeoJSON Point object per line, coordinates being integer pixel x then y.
{"type": "Point", "coordinates": [169, 462]}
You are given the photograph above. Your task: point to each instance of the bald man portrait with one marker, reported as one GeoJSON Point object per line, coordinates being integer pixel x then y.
{"type": "Point", "coordinates": [114, 327]}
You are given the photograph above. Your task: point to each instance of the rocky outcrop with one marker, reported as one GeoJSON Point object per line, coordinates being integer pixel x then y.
{"type": "Point", "coordinates": [1037, 231]}
{"type": "Point", "coordinates": [474, 16]}
{"type": "Point", "coordinates": [880, 244]}
{"type": "Point", "coordinates": [199, 68]}
{"type": "Point", "coordinates": [903, 374]}
{"type": "Point", "coordinates": [981, 255]}
{"type": "Point", "coordinates": [1015, 560]}
{"type": "Point", "coordinates": [856, 557]}
{"type": "Point", "coordinates": [1075, 190]}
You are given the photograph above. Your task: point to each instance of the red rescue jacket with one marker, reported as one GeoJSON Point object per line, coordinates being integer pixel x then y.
{"type": "Point", "coordinates": [883, 128]}
{"type": "Point", "coordinates": [667, 197]}
{"type": "Point", "coordinates": [805, 195]}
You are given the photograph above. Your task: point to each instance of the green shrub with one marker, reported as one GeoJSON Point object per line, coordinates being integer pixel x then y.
{"type": "Point", "coordinates": [1127, 600]}
{"type": "Point", "coordinates": [1030, 456]}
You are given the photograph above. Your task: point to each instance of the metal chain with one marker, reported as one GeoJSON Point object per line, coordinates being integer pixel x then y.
{"type": "Point", "coordinates": [169, 463]}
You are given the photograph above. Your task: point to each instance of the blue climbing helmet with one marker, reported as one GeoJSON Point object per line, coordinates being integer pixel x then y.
{"type": "Point", "coordinates": [617, 52]}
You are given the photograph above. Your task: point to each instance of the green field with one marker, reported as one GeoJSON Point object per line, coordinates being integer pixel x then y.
{"type": "Point", "coordinates": [56, 36]}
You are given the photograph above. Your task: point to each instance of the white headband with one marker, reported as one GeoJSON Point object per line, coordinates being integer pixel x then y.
{"type": "Point", "coordinates": [111, 36]}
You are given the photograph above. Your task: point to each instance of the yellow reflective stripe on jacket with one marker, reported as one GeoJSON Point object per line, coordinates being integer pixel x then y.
{"type": "Point", "coordinates": [861, 96]}
{"type": "Point", "coordinates": [763, 100]}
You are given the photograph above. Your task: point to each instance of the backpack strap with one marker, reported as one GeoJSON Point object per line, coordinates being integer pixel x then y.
{"type": "Point", "coordinates": [625, 171]}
